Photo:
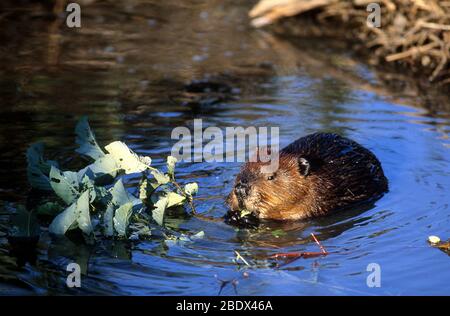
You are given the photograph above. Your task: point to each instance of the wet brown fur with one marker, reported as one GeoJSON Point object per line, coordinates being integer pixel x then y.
{"type": "Point", "coordinates": [342, 173]}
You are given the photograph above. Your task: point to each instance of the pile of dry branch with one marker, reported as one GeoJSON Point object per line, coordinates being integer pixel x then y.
{"type": "Point", "coordinates": [413, 33]}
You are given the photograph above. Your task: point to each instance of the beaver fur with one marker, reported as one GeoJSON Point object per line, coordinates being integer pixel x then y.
{"type": "Point", "coordinates": [318, 174]}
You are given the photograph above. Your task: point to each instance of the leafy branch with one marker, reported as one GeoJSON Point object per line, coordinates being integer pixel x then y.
{"type": "Point", "coordinates": [95, 198]}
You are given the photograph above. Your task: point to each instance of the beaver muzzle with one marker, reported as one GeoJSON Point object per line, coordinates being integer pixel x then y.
{"type": "Point", "coordinates": [241, 190]}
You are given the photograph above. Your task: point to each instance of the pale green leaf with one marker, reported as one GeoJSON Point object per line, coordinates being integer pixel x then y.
{"type": "Point", "coordinates": [37, 168]}
{"type": "Point", "coordinates": [126, 159]}
{"type": "Point", "coordinates": [120, 195]}
{"type": "Point", "coordinates": [143, 189]}
{"type": "Point", "coordinates": [108, 222]}
{"type": "Point", "coordinates": [84, 216]}
{"type": "Point", "coordinates": [191, 189]}
{"type": "Point", "coordinates": [102, 171]}
{"type": "Point", "coordinates": [121, 218]}
{"type": "Point", "coordinates": [76, 215]}
{"type": "Point", "coordinates": [24, 223]}
{"type": "Point", "coordinates": [65, 220]}
{"type": "Point", "coordinates": [171, 161]}
{"type": "Point", "coordinates": [198, 235]}
{"type": "Point", "coordinates": [49, 208]}
{"type": "Point", "coordinates": [65, 184]}
{"type": "Point", "coordinates": [159, 210]}
{"type": "Point", "coordinates": [174, 199]}
{"type": "Point", "coordinates": [86, 140]}
{"type": "Point", "coordinates": [160, 177]}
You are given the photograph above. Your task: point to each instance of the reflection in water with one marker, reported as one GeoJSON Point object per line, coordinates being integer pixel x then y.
{"type": "Point", "coordinates": [135, 68]}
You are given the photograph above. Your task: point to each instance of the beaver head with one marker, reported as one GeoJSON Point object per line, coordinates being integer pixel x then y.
{"type": "Point", "coordinates": [284, 194]}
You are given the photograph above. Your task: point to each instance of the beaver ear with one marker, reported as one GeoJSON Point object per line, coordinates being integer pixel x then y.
{"type": "Point", "coordinates": [304, 166]}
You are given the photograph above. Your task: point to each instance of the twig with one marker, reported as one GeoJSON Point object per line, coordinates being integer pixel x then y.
{"type": "Point", "coordinates": [187, 197]}
{"type": "Point", "coordinates": [305, 255]}
{"type": "Point", "coordinates": [319, 244]}
{"type": "Point", "coordinates": [435, 26]}
{"type": "Point", "coordinates": [411, 52]}
{"type": "Point", "coordinates": [238, 256]}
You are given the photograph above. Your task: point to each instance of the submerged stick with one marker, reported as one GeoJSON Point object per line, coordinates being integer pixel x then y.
{"type": "Point", "coordinates": [301, 254]}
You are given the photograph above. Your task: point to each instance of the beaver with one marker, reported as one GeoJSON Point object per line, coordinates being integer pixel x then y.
{"type": "Point", "coordinates": [317, 174]}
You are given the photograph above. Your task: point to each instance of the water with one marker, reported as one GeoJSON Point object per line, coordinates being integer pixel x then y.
{"type": "Point", "coordinates": [125, 69]}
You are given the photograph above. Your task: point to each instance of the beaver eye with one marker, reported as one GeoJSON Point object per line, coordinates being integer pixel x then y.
{"type": "Point", "coordinates": [271, 177]}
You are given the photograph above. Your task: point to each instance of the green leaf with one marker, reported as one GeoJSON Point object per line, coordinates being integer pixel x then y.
{"type": "Point", "coordinates": [199, 235]}
{"type": "Point", "coordinates": [88, 185]}
{"type": "Point", "coordinates": [49, 208]}
{"type": "Point", "coordinates": [171, 161]}
{"type": "Point", "coordinates": [65, 220]}
{"type": "Point", "coordinates": [72, 217]}
{"type": "Point", "coordinates": [86, 140]}
{"type": "Point", "coordinates": [183, 238]}
{"type": "Point", "coordinates": [65, 184]}
{"type": "Point", "coordinates": [102, 171]}
{"type": "Point", "coordinates": [108, 222]}
{"type": "Point", "coordinates": [120, 195]}
{"type": "Point", "coordinates": [126, 159]}
{"type": "Point", "coordinates": [191, 188]}
{"type": "Point", "coordinates": [37, 168]}
{"type": "Point", "coordinates": [160, 177]}
{"type": "Point", "coordinates": [84, 216]}
{"type": "Point", "coordinates": [174, 199]}
{"type": "Point", "coordinates": [159, 210]}
{"type": "Point", "coordinates": [121, 218]}
{"type": "Point", "coordinates": [143, 189]}
{"type": "Point", "coordinates": [24, 223]}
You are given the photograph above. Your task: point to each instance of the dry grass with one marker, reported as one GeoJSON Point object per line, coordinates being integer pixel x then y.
{"type": "Point", "coordinates": [413, 33]}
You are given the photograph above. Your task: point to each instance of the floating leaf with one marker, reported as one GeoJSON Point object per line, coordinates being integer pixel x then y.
{"type": "Point", "coordinates": [174, 199]}
{"type": "Point", "coordinates": [65, 220]}
{"type": "Point", "coordinates": [146, 188]}
{"type": "Point", "coordinates": [49, 209]}
{"type": "Point", "coordinates": [86, 140]}
{"type": "Point", "coordinates": [84, 217]}
{"type": "Point", "coordinates": [108, 222]}
{"type": "Point", "coordinates": [159, 210]}
{"type": "Point", "coordinates": [65, 184]}
{"type": "Point", "coordinates": [24, 223]}
{"type": "Point", "coordinates": [173, 240]}
{"type": "Point", "coordinates": [37, 168]}
{"type": "Point", "coordinates": [76, 215]}
{"type": "Point", "coordinates": [143, 189]}
{"type": "Point", "coordinates": [120, 195]}
{"type": "Point", "coordinates": [126, 159]}
{"type": "Point", "coordinates": [171, 161]}
{"type": "Point", "coordinates": [198, 235]}
{"type": "Point", "coordinates": [191, 189]}
{"type": "Point", "coordinates": [102, 171]}
{"type": "Point", "coordinates": [121, 218]}
{"type": "Point", "coordinates": [160, 177]}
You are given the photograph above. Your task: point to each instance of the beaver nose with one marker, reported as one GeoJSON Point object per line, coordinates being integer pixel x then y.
{"type": "Point", "coordinates": [241, 189]}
